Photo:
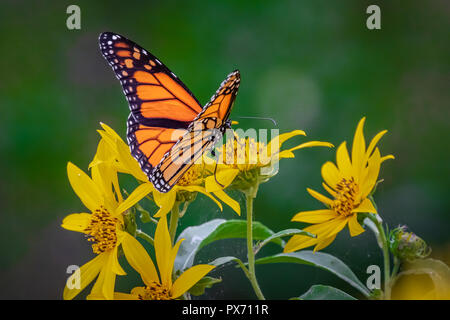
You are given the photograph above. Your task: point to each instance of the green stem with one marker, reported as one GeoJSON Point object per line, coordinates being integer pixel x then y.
{"type": "Point", "coordinates": [174, 216]}
{"type": "Point", "coordinates": [382, 239]}
{"type": "Point", "coordinates": [250, 253]}
{"type": "Point", "coordinates": [141, 234]}
{"type": "Point", "coordinates": [397, 263]}
{"type": "Point", "coordinates": [243, 267]}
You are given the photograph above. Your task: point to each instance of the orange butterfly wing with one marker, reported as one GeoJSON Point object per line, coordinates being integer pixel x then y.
{"type": "Point", "coordinates": [161, 105]}
{"type": "Point", "coordinates": [168, 130]}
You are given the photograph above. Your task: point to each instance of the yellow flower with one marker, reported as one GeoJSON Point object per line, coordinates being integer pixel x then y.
{"type": "Point", "coordinates": [185, 190]}
{"type": "Point", "coordinates": [104, 226]}
{"type": "Point", "coordinates": [161, 287]}
{"type": "Point", "coordinates": [350, 184]}
{"type": "Point", "coordinates": [245, 162]}
{"type": "Point", "coordinates": [117, 152]}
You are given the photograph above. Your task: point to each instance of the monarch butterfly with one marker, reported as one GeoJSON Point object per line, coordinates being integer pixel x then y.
{"type": "Point", "coordinates": [167, 129]}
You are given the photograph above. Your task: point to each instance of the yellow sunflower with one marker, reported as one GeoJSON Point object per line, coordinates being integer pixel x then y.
{"type": "Point", "coordinates": [246, 162]}
{"type": "Point", "coordinates": [161, 287]}
{"type": "Point", "coordinates": [103, 226]}
{"type": "Point", "coordinates": [350, 183]}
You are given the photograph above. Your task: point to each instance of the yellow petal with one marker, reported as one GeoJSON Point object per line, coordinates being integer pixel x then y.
{"type": "Point", "coordinates": [165, 201]}
{"type": "Point", "coordinates": [225, 177]}
{"type": "Point", "coordinates": [125, 296]}
{"type": "Point", "coordinates": [104, 285]}
{"type": "Point", "coordinates": [328, 228]}
{"type": "Point", "coordinates": [312, 144]}
{"type": "Point", "coordinates": [115, 265]}
{"type": "Point", "coordinates": [110, 131]}
{"type": "Point", "coordinates": [188, 278]}
{"type": "Point", "coordinates": [282, 138]}
{"type": "Point", "coordinates": [358, 148]}
{"type": "Point", "coordinates": [323, 243]}
{"type": "Point", "coordinates": [343, 160]}
{"type": "Point", "coordinates": [323, 231]}
{"type": "Point", "coordinates": [298, 242]}
{"type": "Point", "coordinates": [139, 259]}
{"type": "Point", "coordinates": [331, 174]}
{"type": "Point", "coordinates": [104, 154]}
{"type": "Point", "coordinates": [163, 248]}
{"type": "Point", "coordinates": [104, 175]}
{"type": "Point", "coordinates": [330, 191]}
{"type": "Point", "coordinates": [87, 274]}
{"type": "Point", "coordinates": [130, 164]}
{"type": "Point", "coordinates": [84, 187]}
{"type": "Point", "coordinates": [316, 216]}
{"type": "Point", "coordinates": [373, 143]}
{"type": "Point", "coordinates": [228, 200]}
{"type": "Point", "coordinates": [138, 291]}
{"type": "Point", "coordinates": [285, 154]}
{"type": "Point", "coordinates": [171, 261]}
{"type": "Point", "coordinates": [203, 191]}
{"type": "Point", "coordinates": [108, 277]}
{"type": "Point", "coordinates": [139, 193]}
{"type": "Point", "coordinates": [278, 141]}
{"type": "Point", "coordinates": [372, 171]}
{"type": "Point", "coordinates": [76, 222]}
{"type": "Point", "coordinates": [127, 163]}
{"type": "Point", "coordinates": [365, 206]}
{"type": "Point", "coordinates": [354, 226]}
{"type": "Point", "coordinates": [320, 197]}
{"type": "Point", "coordinates": [390, 156]}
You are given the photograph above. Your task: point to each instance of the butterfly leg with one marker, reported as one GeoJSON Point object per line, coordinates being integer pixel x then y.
{"type": "Point", "coordinates": [215, 177]}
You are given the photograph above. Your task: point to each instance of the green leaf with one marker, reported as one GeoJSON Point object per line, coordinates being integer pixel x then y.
{"type": "Point", "coordinates": [238, 229]}
{"type": "Point", "coordinates": [223, 260]}
{"type": "Point", "coordinates": [321, 260]}
{"type": "Point", "coordinates": [283, 233]}
{"type": "Point", "coordinates": [322, 292]}
{"type": "Point", "coordinates": [206, 282]}
{"type": "Point", "coordinates": [193, 236]}
{"type": "Point", "coordinates": [197, 237]}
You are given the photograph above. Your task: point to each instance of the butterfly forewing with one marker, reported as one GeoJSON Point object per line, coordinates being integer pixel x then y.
{"type": "Point", "coordinates": [156, 96]}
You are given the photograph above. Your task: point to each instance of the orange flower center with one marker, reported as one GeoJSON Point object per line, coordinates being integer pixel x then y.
{"type": "Point", "coordinates": [155, 291]}
{"type": "Point", "coordinates": [102, 231]}
{"type": "Point", "coordinates": [344, 201]}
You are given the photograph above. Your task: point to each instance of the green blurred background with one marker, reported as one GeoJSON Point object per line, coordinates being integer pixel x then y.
{"type": "Point", "coordinates": [311, 65]}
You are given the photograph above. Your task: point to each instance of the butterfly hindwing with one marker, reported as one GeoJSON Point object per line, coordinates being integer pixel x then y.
{"type": "Point", "coordinates": [148, 145]}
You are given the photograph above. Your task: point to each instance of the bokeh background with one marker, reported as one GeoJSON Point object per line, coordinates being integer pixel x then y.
{"type": "Point", "coordinates": [310, 65]}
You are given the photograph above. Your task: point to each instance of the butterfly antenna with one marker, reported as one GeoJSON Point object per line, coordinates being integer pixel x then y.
{"type": "Point", "coordinates": [260, 118]}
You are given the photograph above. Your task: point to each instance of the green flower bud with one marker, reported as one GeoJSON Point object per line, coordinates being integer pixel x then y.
{"type": "Point", "coordinates": [407, 245]}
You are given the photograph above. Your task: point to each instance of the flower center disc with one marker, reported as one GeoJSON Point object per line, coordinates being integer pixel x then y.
{"type": "Point", "coordinates": [344, 201]}
{"type": "Point", "coordinates": [102, 231]}
{"type": "Point", "coordinates": [155, 292]}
